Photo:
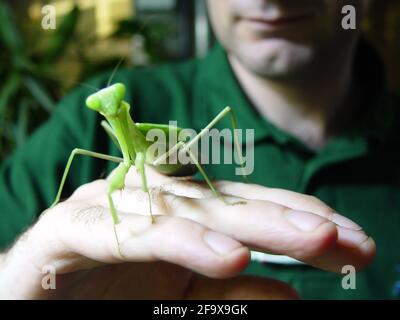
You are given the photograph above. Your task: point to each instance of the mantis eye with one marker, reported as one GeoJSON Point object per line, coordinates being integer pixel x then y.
{"type": "Point", "coordinates": [93, 102]}
{"type": "Point", "coordinates": [119, 90]}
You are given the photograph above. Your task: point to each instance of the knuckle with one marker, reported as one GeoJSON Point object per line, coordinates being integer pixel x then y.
{"type": "Point", "coordinates": [254, 186]}
{"type": "Point", "coordinates": [174, 203]}
{"type": "Point", "coordinates": [312, 198]}
{"type": "Point", "coordinates": [182, 225]}
{"type": "Point", "coordinates": [88, 188]}
{"type": "Point", "coordinates": [322, 208]}
{"type": "Point", "coordinates": [47, 228]}
{"type": "Point", "coordinates": [48, 216]}
{"type": "Point", "coordinates": [317, 201]}
{"type": "Point", "coordinates": [317, 244]}
{"type": "Point", "coordinates": [282, 210]}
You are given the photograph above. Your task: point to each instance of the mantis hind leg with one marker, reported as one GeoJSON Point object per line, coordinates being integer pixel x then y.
{"type": "Point", "coordinates": [139, 164]}
{"type": "Point", "coordinates": [182, 147]}
{"type": "Point", "coordinates": [236, 145]}
{"type": "Point", "coordinates": [209, 183]}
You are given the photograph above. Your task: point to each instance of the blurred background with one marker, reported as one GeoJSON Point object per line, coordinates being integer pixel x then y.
{"type": "Point", "coordinates": [39, 66]}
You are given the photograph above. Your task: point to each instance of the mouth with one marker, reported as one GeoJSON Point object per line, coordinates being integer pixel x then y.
{"type": "Point", "coordinates": [267, 23]}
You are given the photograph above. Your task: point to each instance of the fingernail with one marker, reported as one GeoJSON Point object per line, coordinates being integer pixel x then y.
{"type": "Point", "coordinates": [303, 220]}
{"type": "Point", "coordinates": [344, 222]}
{"type": "Point", "coordinates": [220, 243]}
{"type": "Point", "coordinates": [352, 236]}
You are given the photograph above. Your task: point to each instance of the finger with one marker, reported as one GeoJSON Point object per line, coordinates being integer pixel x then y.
{"type": "Point", "coordinates": [262, 225]}
{"type": "Point", "coordinates": [268, 227]}
{"type": "Point", "coordinates": [294, 200]}
{"type": "Point", "coordinates": [239, 288]}
{"type": "Point", "coordinates": [88, 232]}
{"type": "Point", "coordinates": [288, 198]}
{"type": "Point", "coordinates": [354, 246]}
{"type": "Point", "coordinates": [278, 229]}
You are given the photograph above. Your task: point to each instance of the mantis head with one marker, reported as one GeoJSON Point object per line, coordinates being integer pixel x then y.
{"type": "Point", "coordinates": [108, 100]}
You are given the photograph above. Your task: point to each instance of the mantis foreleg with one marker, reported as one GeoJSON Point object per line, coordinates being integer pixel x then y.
{"type": "Point", "coordinates": [115, 180]}
{"type": "Point", "coordinates": [140, 166]}
{"type": "Point", "coordinates": [83, 152]}
{"type": "Point", "coordinates": [107, 128]}
{"type": "Point", "coordinates": [139, 163]}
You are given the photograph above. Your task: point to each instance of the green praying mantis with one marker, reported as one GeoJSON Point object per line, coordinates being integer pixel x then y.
{"type": "Point", "coordinates": [130, 137]}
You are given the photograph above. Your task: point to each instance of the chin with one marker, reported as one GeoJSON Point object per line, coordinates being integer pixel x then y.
{"type": "Point", "coordinates": [274, 58]}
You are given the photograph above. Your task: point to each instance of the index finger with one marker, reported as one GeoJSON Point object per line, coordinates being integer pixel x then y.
{"type": "Point", "coordinates": [268, 227]}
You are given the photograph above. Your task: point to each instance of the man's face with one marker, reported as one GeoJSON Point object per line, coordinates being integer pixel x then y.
{"type": "Point", "coordinates": [280, 38]}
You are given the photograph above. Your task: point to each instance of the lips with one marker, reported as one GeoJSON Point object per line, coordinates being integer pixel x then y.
{"type": "Point", "coordinates": [275, 22]}
{"type": "Point", "coordinates": [279, 20]}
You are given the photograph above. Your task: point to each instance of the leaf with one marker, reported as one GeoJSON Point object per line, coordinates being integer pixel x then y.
{"type": "Point", "coordinates": [21, 127]}
{"type": "Point", "coordinates": [11, 40]}
{"type": "Point", "coordinates": [10, 87]}
{"type": "Point", "coordinates": [129, 27]}
{"type": "Point", "coordinates": [8, 30]}
{"type": "Point", "coordinates": [39, 93]}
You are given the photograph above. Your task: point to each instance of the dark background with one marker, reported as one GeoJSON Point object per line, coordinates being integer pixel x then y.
{"type": "Point", "coordinates": [39, 66]}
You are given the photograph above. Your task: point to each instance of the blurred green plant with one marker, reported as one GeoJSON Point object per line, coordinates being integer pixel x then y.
{"type": "Point", "coordinates": [27, 93]}
{"type": "Point", "coordinates": [30, 86]}
{"type": "Point", "coordinates": [154, 34]}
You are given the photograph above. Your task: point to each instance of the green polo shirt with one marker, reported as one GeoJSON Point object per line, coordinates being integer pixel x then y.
{"type": "Point", "coordinates": [357, 173]}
